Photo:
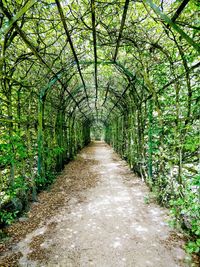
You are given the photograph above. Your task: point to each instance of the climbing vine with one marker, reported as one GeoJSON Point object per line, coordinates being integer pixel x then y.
{"type": "Point", "coordinates": [127, 71]}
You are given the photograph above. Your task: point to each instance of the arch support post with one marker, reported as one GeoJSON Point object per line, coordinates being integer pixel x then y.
{"type": "Point", "coordinates": [150, 140]}
{"type": "Point", "coordinates": [59, 136]}
{"type": "Point", "coordinates": [40, 140]}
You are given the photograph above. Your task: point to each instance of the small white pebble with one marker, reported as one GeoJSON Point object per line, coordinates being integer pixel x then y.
{"type": "Point", "coordinates": [116, 244]}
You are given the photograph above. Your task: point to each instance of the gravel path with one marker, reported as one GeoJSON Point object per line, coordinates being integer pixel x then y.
{"type": "Point", "coordinates": [107, 224]}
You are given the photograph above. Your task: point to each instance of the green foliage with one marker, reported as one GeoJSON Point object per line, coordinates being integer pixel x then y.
{"type": "Point", "coordinates": [57, 150]}
{"type": "Point", "coordinates": [185, 210]}
{"type": "Point", "coordinates": [193, 247]}
{"type": "Point", "coordinates": [43, 182]}
{"type": "Point", "coordinates": [12, 149]}
{"type": "Point", "coordinates": [192, 143]}
{"type": "Point", "coordinates": [7, 217]}
{"type": "Point", "coordinates": [12, 201]}
{"type": "Point", "coordinates": [20, 183]}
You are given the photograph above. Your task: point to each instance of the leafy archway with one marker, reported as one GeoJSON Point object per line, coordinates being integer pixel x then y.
{"type": "Point", "coordinates": [131, 65]}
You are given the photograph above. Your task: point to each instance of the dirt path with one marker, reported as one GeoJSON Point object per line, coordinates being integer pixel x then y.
{"type": "Point", "coordinates": [102, 221]}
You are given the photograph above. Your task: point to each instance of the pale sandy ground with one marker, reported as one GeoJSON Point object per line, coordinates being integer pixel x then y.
{"type": "Point", "coordinates": [108, 225]}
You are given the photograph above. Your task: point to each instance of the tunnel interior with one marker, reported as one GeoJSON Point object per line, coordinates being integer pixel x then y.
{"type": "Point", "coordinates": [126, 72]}
{"type": "Point", "coordinates": [97, 131]}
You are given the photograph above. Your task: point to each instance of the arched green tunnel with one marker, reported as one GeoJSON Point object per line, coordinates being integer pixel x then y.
{"type": "Point", "coordinates": [128, 70]}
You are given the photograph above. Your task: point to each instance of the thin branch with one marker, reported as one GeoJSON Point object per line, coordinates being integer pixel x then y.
{"type": "Point", "coordinates": [121, 29]}
{"type": "Point", "coordinates": [179, 10]}
{"type": "Point", "coordinates": [95, 49]}
{"type": "Point", "coordinates": [60, 10]}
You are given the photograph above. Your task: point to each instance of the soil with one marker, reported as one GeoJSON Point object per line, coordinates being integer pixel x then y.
{"type": "Point", "coordinates": [94, 215]}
